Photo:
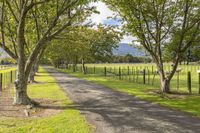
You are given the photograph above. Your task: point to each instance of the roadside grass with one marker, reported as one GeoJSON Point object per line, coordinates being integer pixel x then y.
{"type": "Point", "coordinates": [186, 103]}
{"type": "Point", "coordinates": [67, 121]}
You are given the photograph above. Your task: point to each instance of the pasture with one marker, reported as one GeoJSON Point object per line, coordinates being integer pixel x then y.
{"type": "Point", "coordinates": [147, 74]}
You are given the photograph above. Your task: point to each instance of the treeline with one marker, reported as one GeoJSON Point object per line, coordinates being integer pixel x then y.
{"type": "Point", "coordinates": [130, 59]}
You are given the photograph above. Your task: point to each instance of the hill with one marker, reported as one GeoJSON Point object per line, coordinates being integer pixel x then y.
{"type": "Point", "coordinates": [125, 49]}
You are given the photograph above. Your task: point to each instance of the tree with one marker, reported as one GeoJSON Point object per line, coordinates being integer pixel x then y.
{"type": "Point", "coordinates": [46, 19]}
{"type": "Point", "coordinates": [84, 45]}
{"type": "Point", "coordinates": [158, 24]}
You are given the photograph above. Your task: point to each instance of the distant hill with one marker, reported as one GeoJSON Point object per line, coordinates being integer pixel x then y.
{"type": "Point", "coordinates": [122, 50]}
{"type": "Point", "coordinates": [125, 49]}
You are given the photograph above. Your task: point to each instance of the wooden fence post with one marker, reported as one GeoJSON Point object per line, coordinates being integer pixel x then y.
{"type": "Point", "coordinates": [120, 73]}
{"type": "Point", "coordinates": [189, 82]}
{"type": "Point", "coordinates": [177, 80]}
{"type": "Point", "coordinates": [199, 79]}
{"type": "Point", "coordinates": [128, 71]}
{"type": "Point", "coordinates": [144, 76]}
{"type": "Point", "coordinates": [11, 76]}
{"type": "Point", "coordinates": [86, 70]}
{"type": "Point", "coordinates": [199, 83]}
{"type": "Point", "coordinates": [134, 73]}
{"type": "Point", "coordinates": [148, 76]}
{"type": "Point", "coordinates": [1, 82]}
{"type": "Point", "coordinates": [137, 74]}
{"type": "Point", "coordinates": [105, 74]}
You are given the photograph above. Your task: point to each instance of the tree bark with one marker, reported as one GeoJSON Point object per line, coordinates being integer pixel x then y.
{"type": "Point", "coordinates": [83, 66]}
{"type": "Point", "coordinates": [31, 78]}
{"type": "Point", "coordinates": [74, 67]}
{"type": "Point", "coordinates": [165, 86]}
{"type": "Point", "coordinates": [35, 67]}
{"type": "Point", "coordinates": [20, 89]}
{"type": "Point", "coordinates": [20, 95]}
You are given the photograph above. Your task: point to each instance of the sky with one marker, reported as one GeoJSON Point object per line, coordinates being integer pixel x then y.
{"type": "Point", "coordinates": [104, 18]}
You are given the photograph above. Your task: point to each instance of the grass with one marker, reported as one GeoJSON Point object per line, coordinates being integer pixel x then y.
{"type": "Point", "coordinates": [150, 73]}
{"type": "Point", "coordinates": [68, 121]}
{"type": "Point", "coordinates": [186, 103]}
{"type": "Point", "coordinates": [7, 70]}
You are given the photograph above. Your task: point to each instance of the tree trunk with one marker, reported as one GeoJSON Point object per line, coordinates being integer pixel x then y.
{"type": "Point", "coordinates": [74, 67]}
{"type": "Point", "coordinates": [165, 86]}
{"type": "Point", "coordinates": [164, 81]}
{"type": "Point", "coordinates": [67, 65]}
{"type": "Point", "coordinates": [188, 62]}
{"type": "Point", "coordinates": [20, 89]}
{"type": "Point", "coordinates": [83, 67]}
{"type": "Point", "coordinates": [36, 66]}
{"type": "Point", "coordinates": [20, 95]}
{"type": "Point", "coordinates": [31, 78]}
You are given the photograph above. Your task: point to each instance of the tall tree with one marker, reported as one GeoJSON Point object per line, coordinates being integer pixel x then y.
{"type": "Point", "coordinates": [158, 24]}
{"type": "Point", "coordinates": [84, 45]}
{"type": "Point", "coordinates": [46, 19]}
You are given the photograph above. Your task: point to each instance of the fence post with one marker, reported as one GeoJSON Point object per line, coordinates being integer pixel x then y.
{"type": "Point", "coordinates": [144, 76]}
{"type": "Point", "coordinates": [148, 77]}
{"type": "Point", "coordinates": [134, 73]}
{"type": "Point", "coordinates": [177, 80]}
{"type": "Point", "coordinates": [128, 70]}
{"type": "Point", "coordinates": [1, 82]}
{"type": "Point", "coordinates": [189, 82]}
{"type": "Point", "coordinates": [137, 74]}
{"type": "Point", "coordinates": [86, 70]}
{"type": "Point", "coordinates": [11, 76]}
{"type": "Point", "coordinates": [105, 74]}
{"type": "Point", "coordinates": [199, 81]}
{"type": "Point", "coordinates": [119, 73]}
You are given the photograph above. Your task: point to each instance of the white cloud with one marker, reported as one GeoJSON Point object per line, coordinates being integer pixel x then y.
{"type": "Point", "coordinates": [127, 39]}
{"type": "Point", "coordinates": [105, 12]}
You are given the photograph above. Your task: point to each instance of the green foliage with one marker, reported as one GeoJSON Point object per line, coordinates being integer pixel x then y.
{"type": "Point", "coordinates": [86, 43]}
{"type": "Point", "coordinates": [158, 25]}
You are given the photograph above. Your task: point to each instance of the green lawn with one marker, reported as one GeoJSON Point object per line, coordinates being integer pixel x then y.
{"type": "Point", "coordinates": [189, 103]}
{"type": "Point", "coordinates": [68, 121]}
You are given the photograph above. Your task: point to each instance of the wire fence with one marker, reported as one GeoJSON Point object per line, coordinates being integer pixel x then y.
{"type": "Point", "coordinates": [7, 79]}
{"type": "Point", "coordinates": [185, 80]}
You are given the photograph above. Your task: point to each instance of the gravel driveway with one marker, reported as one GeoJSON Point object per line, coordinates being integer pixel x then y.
{"type": "Point", "coordinates": [114, 112]}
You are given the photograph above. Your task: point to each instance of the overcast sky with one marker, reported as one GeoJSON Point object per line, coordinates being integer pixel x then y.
{"type": "Point", "coordinates": [102, 18]}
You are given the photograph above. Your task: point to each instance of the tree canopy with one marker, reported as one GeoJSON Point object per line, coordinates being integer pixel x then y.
{"type": "Point", "coordinates": [159, 24]}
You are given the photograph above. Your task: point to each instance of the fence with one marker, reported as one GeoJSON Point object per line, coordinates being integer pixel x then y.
{"type": "Point", "coordinates": [185, 79]}
{"type": "Point", "coordinates": [7, 79]}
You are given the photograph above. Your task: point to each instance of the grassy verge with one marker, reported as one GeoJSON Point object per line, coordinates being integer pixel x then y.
{"type": "Point", "coordinates": [189, 103]}
{"type": "Point", "coordinates": [68, 121]}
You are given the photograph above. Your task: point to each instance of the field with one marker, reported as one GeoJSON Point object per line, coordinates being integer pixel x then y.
{"type": "Point", "coordinates": [133, 83]}
{"type": "Point", "coordinates": [135, 73]}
